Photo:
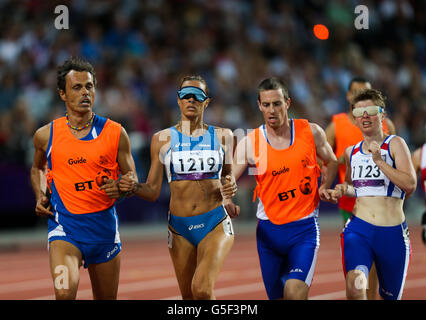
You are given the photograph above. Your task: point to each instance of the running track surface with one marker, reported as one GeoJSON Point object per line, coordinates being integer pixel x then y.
{"type": "Point", "coordinates": [147, 272]}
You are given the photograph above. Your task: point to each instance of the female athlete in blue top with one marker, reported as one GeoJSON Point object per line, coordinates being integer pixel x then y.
{"type": "Point", "coordinates": [196, 157]}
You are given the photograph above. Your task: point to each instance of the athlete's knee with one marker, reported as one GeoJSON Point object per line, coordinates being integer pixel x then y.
{"type": "Point", "coordinates": [65, 294]}
{"type": "Point", "coordinates": [66, 290]}
{"type": "Point", "coordinates": [202, 290]}
{"type": "Point", "coordinates": [356, 285]}
{"type": "Point", "coordinates": [353, 293]}
{"type": "Point", "coordinates": [65, 281]}
{"type": "Point", "coordinates": [295, 290]}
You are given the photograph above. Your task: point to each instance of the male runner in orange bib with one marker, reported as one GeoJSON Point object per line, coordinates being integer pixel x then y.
{"type": "Point", "coordinates": [84, 154]}
{"type": "Point", "coordinates": [284, 154]}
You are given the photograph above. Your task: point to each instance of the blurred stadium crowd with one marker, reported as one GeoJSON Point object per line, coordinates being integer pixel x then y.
{"type": "Point", "coordinates": [140, 50]}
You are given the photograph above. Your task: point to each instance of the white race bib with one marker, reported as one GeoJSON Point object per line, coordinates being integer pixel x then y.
{"type": "Point", "coordinates": [185, 162]}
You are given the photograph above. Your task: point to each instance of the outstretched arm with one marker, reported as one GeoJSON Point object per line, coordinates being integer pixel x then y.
{"type": "Point", "coordinates": [241, 157]}
{"type": "Point", "coordinates": [150, 190]}
{"type": "Point", "coordinates": [229, 186]}
{"type": "Point", "coordinates": [346, 188]}
{"type": "Point", "coordinates": [326, 154]}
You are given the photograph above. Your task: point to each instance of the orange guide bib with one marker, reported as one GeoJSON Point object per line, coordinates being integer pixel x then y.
{"type": "Point", "coordinates": [76, 163]}
{"type": "Point", "coordinates": [287, 180]}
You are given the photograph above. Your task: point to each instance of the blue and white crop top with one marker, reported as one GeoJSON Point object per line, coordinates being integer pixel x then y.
{"type": "Point", "coordinates": [367, 178]}
{"type": "Point", "coordinates": [194, 158]}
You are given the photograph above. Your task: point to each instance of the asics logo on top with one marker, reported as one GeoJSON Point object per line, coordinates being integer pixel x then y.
{"type": "Point", "coordinates": [177, 145]}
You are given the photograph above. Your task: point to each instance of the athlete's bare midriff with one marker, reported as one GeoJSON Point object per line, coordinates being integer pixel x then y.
{"type": "Point", "coordinates": [190, 198]}
{"type": "Point", "coordinates": [379, 210]}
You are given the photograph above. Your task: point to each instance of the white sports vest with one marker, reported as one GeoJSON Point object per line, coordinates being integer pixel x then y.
{"type": "Point", "coordinates": [368, 179]}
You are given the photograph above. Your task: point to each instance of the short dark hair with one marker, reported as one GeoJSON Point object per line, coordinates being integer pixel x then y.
{"type": "Point", "coordinates": [369, 94]}
{"type": "Point", "coordinates": [272, 84]}
{"type": "Point", "coordinates": [195, 78]}
{"type": "Point", "coordinates": [357, 79]}
{"type": "Point", "coordinates": [76, 64]}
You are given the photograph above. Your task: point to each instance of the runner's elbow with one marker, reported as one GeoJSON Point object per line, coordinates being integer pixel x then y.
{"type": "Point", "coordinates": [410, 188]}
{"type": "Point", "coordinates": [154, 195]}
{"type": "Point", "coordinates": [148, 192]}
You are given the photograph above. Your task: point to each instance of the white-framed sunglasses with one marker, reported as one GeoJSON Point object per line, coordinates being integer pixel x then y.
{"type": "Point", "coordinates": [371, 111]}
